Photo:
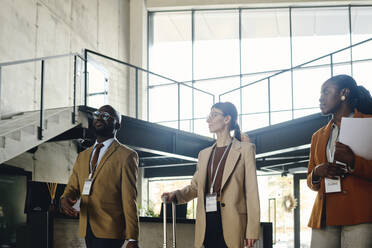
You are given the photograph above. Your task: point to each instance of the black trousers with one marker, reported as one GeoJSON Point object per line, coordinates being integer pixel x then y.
{"type": "Point", "coordinates": [213, 231]}
{"type": "Point", "coordinates": [92, 241]}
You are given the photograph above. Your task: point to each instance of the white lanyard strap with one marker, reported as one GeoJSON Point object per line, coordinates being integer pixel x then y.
{"type": "Point", "coordinates": [218, 166]}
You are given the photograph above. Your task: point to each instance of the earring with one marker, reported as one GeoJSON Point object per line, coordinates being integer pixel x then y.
{"type": "Point", "coordinates": [343, 98]}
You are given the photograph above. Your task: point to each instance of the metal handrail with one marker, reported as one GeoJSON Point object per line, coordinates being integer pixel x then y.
{"type": "Point", "coordinates": [42, 79]}
{"type": "Point", "coordinates": [16, 62]}
{"type": "Point", "coordinates": [179, 84]}
{"type": "Point", "coordinates": [298, 66]}
{"type": "Point", "coordinates": [146, 71]}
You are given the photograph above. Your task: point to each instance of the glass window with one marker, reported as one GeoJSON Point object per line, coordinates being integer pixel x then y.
{"type": "Point", "coordinates": [156, 188]}
{"type": "Point", "coordinates": [170, 46]}
{"type": "Point", "coordinates": [164, 103]}
{"type": "Point", "coordinates": [254, 121]}
{"type": "Point", "coordinates": [255, 98]}
{"type": "Point", "coordinates": [363, 74]}
{"type": "Point", "coordinates": [281, 92]}
{"type": "Point", "coordinates": [318, 31]}
{"type": "Point", "coordinates": [216, 48]}
{"type": "Point", "coordinates": [272, 190]}
{"type": "Point", "coordinates": [265, 33]}
{"type": "Point", "coordinates": [307, 84]}
{"type": "Point", "coordinates": [307, 199]}
{"type": "Point", "coordinates": [361, 28]}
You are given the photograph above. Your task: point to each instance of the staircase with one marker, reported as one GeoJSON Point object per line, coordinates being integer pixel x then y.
{"type": "Point", "coordinates": [19, 132]}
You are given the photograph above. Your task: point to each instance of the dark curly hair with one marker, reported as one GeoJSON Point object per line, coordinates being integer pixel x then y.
{"type": "Point", "coordinates": [359, 97]}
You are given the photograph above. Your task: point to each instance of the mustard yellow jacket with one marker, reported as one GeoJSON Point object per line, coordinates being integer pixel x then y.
{"type": "Point", "coordinates": [112, 204]}
{"type": "Point", "coordinates": [239, 193]}
{"type": "Point", "coordinates": [353, 205]}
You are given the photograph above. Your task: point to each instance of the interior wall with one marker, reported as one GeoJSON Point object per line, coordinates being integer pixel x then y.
{"type": "Point", "coordinates": [38, 28]}
{"type": "Point", "coordinates": [174, 4]}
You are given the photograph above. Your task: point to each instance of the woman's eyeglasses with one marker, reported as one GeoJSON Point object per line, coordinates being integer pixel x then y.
{"type": "Point", "coordinates": [213, 115]}
{"type": "Point", "coordinates": [105, 115]}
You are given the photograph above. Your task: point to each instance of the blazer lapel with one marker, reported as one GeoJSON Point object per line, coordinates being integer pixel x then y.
{"type": "Point", "coordinates": [231, 161]}
{"type": "Point", "coordinates": [203, 166]}
{"type": "Point", "coordinates": [324, 140]}
{"type": "Point", "coordinates": [108, 153]}
{"type": "Point", "coordinates": [86, 159]}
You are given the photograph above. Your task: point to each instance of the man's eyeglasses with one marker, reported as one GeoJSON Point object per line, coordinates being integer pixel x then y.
{"type": "Point", "coordinates": [105, 115]}
{"type": "Point", "coordinates": [213, 115]}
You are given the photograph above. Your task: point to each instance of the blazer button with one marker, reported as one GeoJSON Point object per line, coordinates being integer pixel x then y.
{"type": "Point", "coordinates": [222, 204]}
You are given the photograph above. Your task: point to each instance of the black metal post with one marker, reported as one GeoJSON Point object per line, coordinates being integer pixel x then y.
{"type": "Point", "coordinates": [240, 70]}
{"type": "Point", "coordinates": [40, 129]}
{"type": "Point", "coordinates": [351, 41]}
{"type": "Point", "coordinates": [331, 58]}
{"type": "Point", "coordinates": [192, 70]}
{"type": "Point", "coordinates": [86, 78]}
{"type": "Point", "coordinates": [296, 214]}
{"type": "Point", "coordinates": [291, 50]}
{"type": "Point", "coordinates": [74, 99]}
{"type": "Point", "coordinates": [136, 93]}
{"type": "Point", "coordinates": [0, 85]}
{"type": "Point", "coordinates": [269, 99]}
{"type": "Point", "coordinates": [179, 106]}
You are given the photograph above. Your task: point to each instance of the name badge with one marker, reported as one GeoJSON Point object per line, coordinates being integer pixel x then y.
{"type": "Point", "coordinates": [211, 203]}
{"type": "Point", "coordinates": [87, 187]}
{"type": "Point", "coordinates": [332, 185]}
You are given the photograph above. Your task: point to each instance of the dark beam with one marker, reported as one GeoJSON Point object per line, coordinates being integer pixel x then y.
{"type": "Point", "coordinates": [290, 134]}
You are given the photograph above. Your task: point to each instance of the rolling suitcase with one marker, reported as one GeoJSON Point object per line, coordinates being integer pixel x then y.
{"type": "Point", "coordinates": [165, 223]}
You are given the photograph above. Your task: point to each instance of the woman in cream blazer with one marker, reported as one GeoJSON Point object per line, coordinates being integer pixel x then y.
{"type": "Point", "coordinates": [235, 222]}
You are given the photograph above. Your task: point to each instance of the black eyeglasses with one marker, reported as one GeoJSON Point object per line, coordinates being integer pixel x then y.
{"type": "Point", "coordinates": [105, 115]}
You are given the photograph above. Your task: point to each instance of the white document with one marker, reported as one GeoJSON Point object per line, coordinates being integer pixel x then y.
{"type": "Point", "coordinates": [332, 185]}
{"type": "Point", "coordinates": [357, 134]}
{"type": "Point", "coordinates": [76, 206]}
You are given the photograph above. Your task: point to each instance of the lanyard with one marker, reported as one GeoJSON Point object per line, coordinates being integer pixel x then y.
{"type": "Point", "coordinates": [218, 166]}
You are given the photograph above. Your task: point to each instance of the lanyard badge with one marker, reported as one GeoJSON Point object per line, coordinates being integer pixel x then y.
{"type": "Point", "coordinates": [211, 198]}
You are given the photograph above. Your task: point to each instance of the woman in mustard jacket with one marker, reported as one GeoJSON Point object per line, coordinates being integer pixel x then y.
{"type": "Point", "coordinates": [225, 183]}
{"type": "Point", "coordinates": [342, 212]}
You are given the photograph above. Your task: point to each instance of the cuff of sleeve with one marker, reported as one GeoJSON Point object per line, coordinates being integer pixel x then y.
{"type": "Point", "coordinates": [312, 178]}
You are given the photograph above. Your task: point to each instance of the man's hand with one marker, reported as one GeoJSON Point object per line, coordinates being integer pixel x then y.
{"type": "Point", "coordinates": [169, 196]}
{"type": "Point", "coordinates": [249, 243]}
{"type": "Point", "coordinates": [344, 154]}
{"type": "Point", "coordinates": [328, 170]}
{"type": "Point", "coordinates": [66, 204]}
{"type": "Point", "coordinates": [132, 244]}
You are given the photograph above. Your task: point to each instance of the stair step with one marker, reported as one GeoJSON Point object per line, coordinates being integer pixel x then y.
{"type": "Point", "coordinates": [16, 135]}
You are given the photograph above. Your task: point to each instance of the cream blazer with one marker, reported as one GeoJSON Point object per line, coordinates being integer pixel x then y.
{"type": "Point", "coordinates": [112, 204]}
{"type": "Point", "coordinates": [240, 210]}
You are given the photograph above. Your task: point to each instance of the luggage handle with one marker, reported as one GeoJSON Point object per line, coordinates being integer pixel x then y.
{"type": "Point", "coordinates": [165, 223]}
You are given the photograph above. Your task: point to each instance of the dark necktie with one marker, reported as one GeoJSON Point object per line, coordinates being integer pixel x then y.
{"type": "Point", "coordinates": [95, 156]}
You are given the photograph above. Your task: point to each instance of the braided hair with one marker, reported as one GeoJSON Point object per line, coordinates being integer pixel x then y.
{"type": "Point", "coordinates": [228, 108]}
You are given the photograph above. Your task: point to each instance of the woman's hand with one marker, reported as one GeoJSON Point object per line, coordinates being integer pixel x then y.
{"type": "Point", "coordinates": [328, 170]}
{"type": "Point", "coordinates": [249, 243]}
{"type": "Point", "coordinates": [244, 137]}
{"type": "Point", "coordinates": [344, 154]}
{"type": "Point", "coordinates": [170, 196]}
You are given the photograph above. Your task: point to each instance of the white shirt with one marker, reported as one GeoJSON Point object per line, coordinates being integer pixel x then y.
{"type": "Point", "coordinates": [106, 145]}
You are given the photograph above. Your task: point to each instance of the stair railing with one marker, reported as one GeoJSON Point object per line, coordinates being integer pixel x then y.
{"type": "Point", "coordinates": [42, 83]}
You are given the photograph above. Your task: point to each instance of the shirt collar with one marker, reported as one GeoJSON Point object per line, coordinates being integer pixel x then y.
{"type": "Point", "coordinates": [333, 121]}
{"type": "Point", "coordinates": [106, 143]}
